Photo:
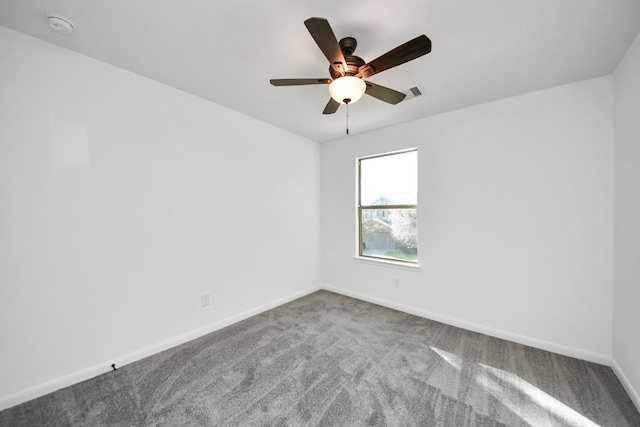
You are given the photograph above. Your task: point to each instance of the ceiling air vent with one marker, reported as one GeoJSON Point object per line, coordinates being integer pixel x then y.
{"type": "Point", "coordinates": [414, 92]}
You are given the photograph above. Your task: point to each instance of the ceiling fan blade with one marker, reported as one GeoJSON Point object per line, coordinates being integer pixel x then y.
{"type": "Point", "coordinates": [298, 82]}
{"type": "Point", "coordinates": [326, 40]}
{"type": "Point", "coordinates": [384, 93]}
{"type": "Point", "coordinates": [412, 49]}
{"type": "Point", "coordinates": [332, 106]}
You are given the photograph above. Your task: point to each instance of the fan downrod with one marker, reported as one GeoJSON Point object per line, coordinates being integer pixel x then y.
{"type": "Point", "coordinates": [348, 45]}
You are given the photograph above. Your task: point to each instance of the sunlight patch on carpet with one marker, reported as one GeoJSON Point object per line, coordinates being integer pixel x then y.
{"type": "Point", "coordinates": [526, 400]}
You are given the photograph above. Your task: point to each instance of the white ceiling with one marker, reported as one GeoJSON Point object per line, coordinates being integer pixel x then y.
{"type": "Point", "coordinates": [226, 51]}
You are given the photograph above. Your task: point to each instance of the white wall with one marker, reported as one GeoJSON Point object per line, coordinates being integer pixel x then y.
{"type": "Point", "coordinates": [121, 201]}
{"type": "Point", "coordinates": [515, 218]}
{"type": "Point", "coordinates": [626, 295]}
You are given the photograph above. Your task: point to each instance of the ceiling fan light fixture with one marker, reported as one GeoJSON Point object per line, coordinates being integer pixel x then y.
{"type": "Point", "coordinates": [347, 89]}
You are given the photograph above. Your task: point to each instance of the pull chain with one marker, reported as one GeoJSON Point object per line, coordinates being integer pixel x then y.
{"type": "Point", "coordinates": [347, 118]}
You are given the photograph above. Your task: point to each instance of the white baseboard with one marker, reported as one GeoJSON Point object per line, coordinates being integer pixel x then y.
{"type": "Point", "coordinates": [90, 372]}
{"type": "Point", "coordinates": [93, 371]}
{"type": "Point", "coordinates": [521, 339]}
{"type": "Point", "coordinates": [633, 394]}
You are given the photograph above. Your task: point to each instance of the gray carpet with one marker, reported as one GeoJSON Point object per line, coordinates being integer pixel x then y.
{"type": "Point", "coordinates": [329, 360]}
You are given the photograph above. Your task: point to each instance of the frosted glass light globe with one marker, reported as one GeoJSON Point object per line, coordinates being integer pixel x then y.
{"type": "Point", "coordinates": [347, 89]}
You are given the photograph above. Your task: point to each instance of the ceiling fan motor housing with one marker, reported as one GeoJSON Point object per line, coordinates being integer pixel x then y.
{"type": "Point", "coordinates": [348, 46]}
{"type": "Point", "coordinates": [353, 65]}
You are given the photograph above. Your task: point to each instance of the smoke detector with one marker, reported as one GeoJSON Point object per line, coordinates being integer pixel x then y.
{"type": "Point", "coordinates": [60, 24]}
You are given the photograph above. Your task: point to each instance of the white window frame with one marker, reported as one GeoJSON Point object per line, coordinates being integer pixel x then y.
{"type": "Point", "coordinates": [368, 259]}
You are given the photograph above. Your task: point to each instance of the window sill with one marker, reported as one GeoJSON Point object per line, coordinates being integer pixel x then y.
{"type": "Point", "coordinates": [387, 263]}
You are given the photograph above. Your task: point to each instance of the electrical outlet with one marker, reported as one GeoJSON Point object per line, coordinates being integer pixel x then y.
{"type": "Point", "coordinates": [396, 283]}
{"type": "Point", "coordinates": [205, 299]}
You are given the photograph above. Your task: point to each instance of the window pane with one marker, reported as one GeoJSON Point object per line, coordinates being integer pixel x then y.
{"type": "Point", "coordinates": [392, 234]}
{"type": "Point", "coordinates": [389, 180]}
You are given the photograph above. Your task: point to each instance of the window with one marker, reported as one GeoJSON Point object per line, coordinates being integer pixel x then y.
{"type": "Point", "coordinates": [388, 206]}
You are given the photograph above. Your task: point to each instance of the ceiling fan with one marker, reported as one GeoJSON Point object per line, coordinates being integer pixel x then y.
{"type": "Point", "coordinates": [348, 71]}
